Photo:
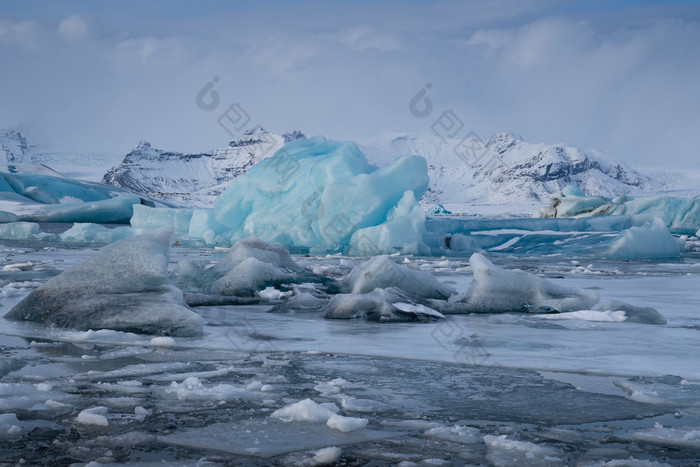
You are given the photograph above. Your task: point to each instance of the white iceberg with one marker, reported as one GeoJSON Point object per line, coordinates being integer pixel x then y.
{"type": "Point", "coordinates": [496, 290]}
{"type": "Point", "coordinates": [123, 287]}
{"type": "Point", "coordinates": [650, 241]}
{"type": "Point", "coordinates": [383, 305]}
{"type": "Point", "coordinates": [382, 272]}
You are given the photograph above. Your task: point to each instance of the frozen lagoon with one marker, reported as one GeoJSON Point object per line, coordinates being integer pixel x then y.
{"type": "Point", "coordinates": [501, 389]}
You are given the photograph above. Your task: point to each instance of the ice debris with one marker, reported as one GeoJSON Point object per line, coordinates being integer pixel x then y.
{"type": "Point", "coordinates": [309, 411]}
{"type": "Point", "coordinates": [123, 287]}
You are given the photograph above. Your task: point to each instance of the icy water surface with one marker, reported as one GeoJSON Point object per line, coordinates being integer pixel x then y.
{"type": "Point", "coordinates": [469, 390]}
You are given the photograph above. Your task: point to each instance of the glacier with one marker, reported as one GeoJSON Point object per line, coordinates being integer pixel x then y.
{"type": "Point", "coordinates": [680, 215]}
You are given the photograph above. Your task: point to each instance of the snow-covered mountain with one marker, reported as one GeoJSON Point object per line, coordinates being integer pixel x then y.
{"type": "Point", "coordinates": [193, 179]}
{"type": "Point", "coordinates": [505, 169]}
{"type": "Point", "coordinates": [13, 147]}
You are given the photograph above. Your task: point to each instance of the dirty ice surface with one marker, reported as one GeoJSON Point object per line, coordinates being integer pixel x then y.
{"type": "Point", "coordinates": [579, 388]}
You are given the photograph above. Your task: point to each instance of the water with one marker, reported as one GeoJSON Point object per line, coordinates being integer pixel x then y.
{"type": "Point", "coordinates": [590, 391]}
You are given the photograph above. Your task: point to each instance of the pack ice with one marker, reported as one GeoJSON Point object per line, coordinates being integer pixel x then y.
{"type": "Point", "coordinates": [313, 194]}
{"type": "Point", "coordinates": [124, 287]}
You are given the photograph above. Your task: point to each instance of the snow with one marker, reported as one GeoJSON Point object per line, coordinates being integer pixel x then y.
{"type": "Point", "coordinates": [124, 286]}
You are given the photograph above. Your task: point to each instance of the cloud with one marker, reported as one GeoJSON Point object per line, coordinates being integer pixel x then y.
{"type": "Point", "coordinates": [75, 27]}
{"type": "Point", "coordinates": [623, 82]}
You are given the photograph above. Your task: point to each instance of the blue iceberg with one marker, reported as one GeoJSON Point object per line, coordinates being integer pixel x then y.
{"type": "Point", "coordinates": [47, 198]}
{"type": "Point", "coordinates": [681, 215]}
{"type": "Point", "coordinates": [314, 195]}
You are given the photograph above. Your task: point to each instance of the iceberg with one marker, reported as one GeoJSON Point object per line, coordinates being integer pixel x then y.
{"type": "Point", "coordinates": [680, 215]}
{"type": "Point", "coordinates": [250, 266]}
{"type": "Point", "coordinates": [650, 241]}
{"type": "Point", "coordinates": [95, 233]}
{"type": "Point", "coordinates": [314, 195]}
{"type": "Point", "coordinates": [496, 290]}
{"type": "Point", "coordinates": [47, 198]}
{"type": "Point", "coordinates": [599, 237]}
{"type": "Point", "coordinates": [123, 287]}
{"type": "Point", "coordinates": [402, 232]}
{"type": "Point", "coordinates": [382, 272]}
{"type": "Point", "coordinates": [383, 305]}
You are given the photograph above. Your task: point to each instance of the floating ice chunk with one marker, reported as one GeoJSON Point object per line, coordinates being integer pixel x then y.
{"type": "Point", "coordinates": [249, 267]}
{"type": "Point", "coordinates": [8, 217]}
{"type": "Point", "coordinates": [385, 305]}
{"type": "Point", "coordinates": [649, 241]}
{"type": "Point", "coordinates": [248, 277]}
{"type": "Point", "coordinates": [95, 233]}
{"type": "Point", "coordinates": [346, 424]}
{"type": "Point", "coordinates": [192, 388]}
{"type": "Point", "coordinates": [495, 290]}
{"type": "Point", "coordinates": [634, 314]}
{"type": "Point", "coordinates": [301, 301]}
{"type": "Point", "coordinates": [117, 210]}
{"type": "Point", "coordinates": [666, 390]}
{"type": "Point", "coordinates": [680, 215]}
{"type": "Point", "coordinates": [680, 436]}
{"type": "Point", "coordinates": [306, 411]}
{"type": "Point", "coordinates": [362, 405]}
{"type": "Point", "coordinates": [9, 424]}
{"type": "Point", "coordinates": [326, 456]}
{"type": "Point", "coordinates": [589, 315]}
{"type": "Point", "coordinates": [503, 451]}
{"type": "Point", "coordinates": [23, 231]}
{"type": "Point", "coordinates": [253, 247]}
{"type": "Point", "coordinates": [123, 287]}
{"type": "Point", "coordinates": [455, 434]}
{"type": "Point", "coordinates": [93, 416]}
{"type": "Point", "coordinates": [402, 232]}
{"type": "Point", "coordinates": [150, 218]}
{"type": "Point", "coordinates": [382, 272]}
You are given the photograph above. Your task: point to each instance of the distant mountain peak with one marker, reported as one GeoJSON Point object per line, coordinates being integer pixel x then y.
{"type": "Point", "coordinates": [13, 145]}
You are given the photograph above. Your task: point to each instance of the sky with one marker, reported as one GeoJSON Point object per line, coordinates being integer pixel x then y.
{"type": "Point", "coordinates": [618, 76]}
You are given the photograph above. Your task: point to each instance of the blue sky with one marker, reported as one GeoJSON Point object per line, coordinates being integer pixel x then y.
{"type": "Point", "coordinates": [619, 76]}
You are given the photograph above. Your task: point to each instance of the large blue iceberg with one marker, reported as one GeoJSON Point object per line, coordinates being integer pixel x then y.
{"type": "Point", "coordinates": [312, 194]}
